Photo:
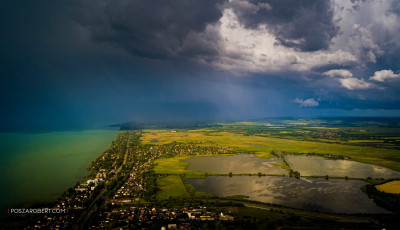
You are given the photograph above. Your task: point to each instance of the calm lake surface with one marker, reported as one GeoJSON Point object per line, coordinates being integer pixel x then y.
{"type": "Point", "coordinates": [242, 163]}
{"type": "Point", "coordinates": [333, 195]}
{"type": "Point", "coordinates": [319, 166]}
{"type": "Point", "coordinates": [39, 167]}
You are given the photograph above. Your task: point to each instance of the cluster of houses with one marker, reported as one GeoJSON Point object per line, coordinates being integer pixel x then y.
{"type": "Point", "coordinates": [53, 222]}
{"type": "Point", "coordinates": [73, 202]}
{"type": "Point", "coordinates": [139, 161]}
{"type": "Point", "coordinates": [76, 199]}
{"type": "Point", "coordinates": [112, 158]}
{"type": "Point", "coordinates": [174, 149]}
{"type": "Point", "coordinates": [134, 187]}
{"type": "Point", "coordinates": [134, 217]}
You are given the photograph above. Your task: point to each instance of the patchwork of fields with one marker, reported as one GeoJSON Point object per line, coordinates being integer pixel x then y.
{"type": "Point", "coordinates": [263, 145]}
{"type": "Point", "coordinates": [274, 143]}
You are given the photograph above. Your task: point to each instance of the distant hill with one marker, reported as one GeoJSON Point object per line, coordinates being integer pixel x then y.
{"type": "Point", "coordinates": [285, 121]}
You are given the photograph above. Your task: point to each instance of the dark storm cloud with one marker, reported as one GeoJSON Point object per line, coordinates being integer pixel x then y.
{"type": "Point", "coordinates": [152, 29]}
{"type": "Point", "coordinates": [76, 35]}
{"type": "Point", "coordinates": [395, 7]}
{"type": "Point", "coordinates": [305, 25]}
{"type": "Point", "coordinates": [110, 61]}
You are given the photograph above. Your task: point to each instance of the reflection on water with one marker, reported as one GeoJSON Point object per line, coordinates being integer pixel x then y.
{"type": "Point", "coordinates": [333, 195]}
{"type": "Point", "coordinates": [242, 163]}
{"type": "Point", "coordinates": [319, 166]}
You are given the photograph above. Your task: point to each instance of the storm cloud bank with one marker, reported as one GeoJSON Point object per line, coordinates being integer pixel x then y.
{"type": "Point", "coordinates": [96, 62]}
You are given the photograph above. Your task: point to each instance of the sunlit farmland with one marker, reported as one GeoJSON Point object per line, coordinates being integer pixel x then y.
{"type": "Point", "coordinates": [262, 145]}
{"type": "Point", "coordinates": [390, 187]}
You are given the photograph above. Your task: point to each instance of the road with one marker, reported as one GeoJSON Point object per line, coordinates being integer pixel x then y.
{"type": "Point", "coordinates": [93, 207]}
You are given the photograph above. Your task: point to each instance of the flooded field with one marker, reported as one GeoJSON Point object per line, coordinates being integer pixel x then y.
{"type": "Point", "coordinates": [319, 166]}
{"type": "Point", "coordinates": [242, 163]}
{"type": "Point", "coordinates": [333, 195]}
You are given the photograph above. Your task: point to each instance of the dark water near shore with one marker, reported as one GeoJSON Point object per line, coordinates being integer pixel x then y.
{"type": "Point", "coordinates": [39, 167]}
{"type": "Point", "coordinates": [333, 195]}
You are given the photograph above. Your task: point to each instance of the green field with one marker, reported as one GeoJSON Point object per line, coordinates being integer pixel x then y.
{"type": "Point", "coordinates": [374, 145]}
{"type": "Point", "coordinates": [171, 186]}
{"type": "Point", "coordinates": [263, 145]}
{"type": "Point", "coordinates": [283, 165]}
{"type": "Point", "coordinates": [175, 166]}
{"type": "Point", "coordinates": [174, 186]}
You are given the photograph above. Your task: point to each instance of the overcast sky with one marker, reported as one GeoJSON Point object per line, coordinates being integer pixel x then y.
{"type": "Point", "coordinates": [96, 62]}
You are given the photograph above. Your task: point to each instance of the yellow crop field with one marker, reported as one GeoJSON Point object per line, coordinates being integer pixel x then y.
{"type": "Point", "coordinates": [298, 123]}
{"type": "Point", "coordinates": [320, 127]}
{"type": "Point", "coordinates": [365, 141]}
{"type": "Point", "coordinates": [390, 187]}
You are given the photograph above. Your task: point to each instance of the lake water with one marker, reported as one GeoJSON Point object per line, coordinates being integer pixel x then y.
{"type": "Point", "coordinates": [319, 166]}
{"type": "Point", "coordinates": [333, 195]}
{"type": "Point", "coordinates": [39, 167]}
{"type": "Point", "coordinates": [242, 163]}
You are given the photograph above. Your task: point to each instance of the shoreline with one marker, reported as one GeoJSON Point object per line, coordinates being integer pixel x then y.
{"type": "Point", "coordinates": [55, 162]}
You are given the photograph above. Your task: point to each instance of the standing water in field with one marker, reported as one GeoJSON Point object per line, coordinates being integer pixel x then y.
{"type": "Point", "coordinates": [242, 163]}
{"type": "Point", "coordinates": [319, 166]}
{"type": "Point", "coordinates": [317, 194]}
{"type": "Point", "coordinates": [39, 167]}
